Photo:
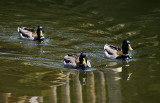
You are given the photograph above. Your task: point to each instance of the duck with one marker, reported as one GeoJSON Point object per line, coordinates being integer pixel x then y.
{"type": "Point", "coordinates": [113, 52]}
{"type": "Point", "coordinates": [77, 61]}
{"type": "Point", "coordinates": [31, 34]}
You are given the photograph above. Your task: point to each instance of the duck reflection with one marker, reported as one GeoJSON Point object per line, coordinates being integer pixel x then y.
{"type": "Point", "coordinates": [125, 75]}
{"type": "Point", "coordinates": [113, 77]}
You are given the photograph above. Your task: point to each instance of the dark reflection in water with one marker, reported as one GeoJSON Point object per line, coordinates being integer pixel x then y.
{"type": "Point", "coordinates": [99, 87]}
{"type": "Point", "coordinates": [95, 87]}
{"type": "Point", "coordinates": [32, 72]}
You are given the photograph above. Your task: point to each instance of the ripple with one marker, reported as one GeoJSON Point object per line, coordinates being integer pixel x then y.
{"type": "Point", "coordinates": [116, 27]}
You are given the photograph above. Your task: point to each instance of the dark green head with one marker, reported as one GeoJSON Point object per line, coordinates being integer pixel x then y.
{"type": "Point", "coordinates": [83, 58]}
{"type": "Point", "coordinates": [126, 46]}
{"type": "Point", "coordinates": [40, 33]}
{"type": "Point", "coordinates": [83, 61]}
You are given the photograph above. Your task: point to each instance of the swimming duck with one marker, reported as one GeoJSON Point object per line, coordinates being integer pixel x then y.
{"type": "Point", "coordinates": [113, 52]}
{"type": "Point", "coordinates": [31, 34]}
{"type": "Point", "coordinates": [76, 61]}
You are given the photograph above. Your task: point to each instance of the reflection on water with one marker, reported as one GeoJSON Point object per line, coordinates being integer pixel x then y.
{"type": "Point", "coordinates": [79, 87]}
{"type": "Point", "coordinates": [66, 90]}
{"type": "Point", "coordinates": [8, 98]}
{"type": "Point", "coordinates": [90, 85]}
{"type": "Point", "coordinates": [100, 88]}
{"type": "Point", "coordinates": [113, 78]}
{"type": "Point", "coordinates": [53, 97]}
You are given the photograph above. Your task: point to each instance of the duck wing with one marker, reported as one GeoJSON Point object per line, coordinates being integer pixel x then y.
{"type": "Point", "coordinates": [71, 58]}
{"type": "Point", "coordinates": [28, 32]}
{"type": "Point", "coordinates": [111, 51]}
{"type": "Point", "coordinates": [114, 47]}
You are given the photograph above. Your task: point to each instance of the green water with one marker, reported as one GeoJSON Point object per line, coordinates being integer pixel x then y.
{"type": "Point", "coordinates": [32, 72]}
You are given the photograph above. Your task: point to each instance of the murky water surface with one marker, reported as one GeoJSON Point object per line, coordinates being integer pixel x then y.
{"type": "Point", "coordinates": [32, 72]}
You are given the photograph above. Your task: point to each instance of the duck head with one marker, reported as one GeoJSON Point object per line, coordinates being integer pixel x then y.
{"type": "Point", "coordinates": [83, 60]}
{"type": "Point", "coordinates": [40, 33]}
{"type": "Point", "coordinates": [126, 46]}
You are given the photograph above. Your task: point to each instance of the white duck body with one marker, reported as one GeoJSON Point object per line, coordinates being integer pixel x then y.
{"type": "Point", "coordinates": [111, 52]}
{"type": "Point", "coordinates": [31, 34]}
{"type": "Point", "coordinates": [70, 61]}
{"type": "Point", "coordinates": [27, 33]}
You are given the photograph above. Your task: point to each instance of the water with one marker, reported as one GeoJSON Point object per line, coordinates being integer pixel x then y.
{"type": "Point", "coordinates": [32, 72]}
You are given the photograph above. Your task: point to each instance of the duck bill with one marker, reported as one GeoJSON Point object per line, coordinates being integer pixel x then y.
{"type": "Point", "coordinates": [84, 61]}
{"type": "Point", "coordinates": [130, 48]}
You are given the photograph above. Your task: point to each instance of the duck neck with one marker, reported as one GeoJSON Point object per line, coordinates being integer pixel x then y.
{"type": "Point", "coordinates": [40, 35]}
{"type": "Point", "coordinates": [124, 49]}
{"type": "Point", "coordinates": [81, 60]}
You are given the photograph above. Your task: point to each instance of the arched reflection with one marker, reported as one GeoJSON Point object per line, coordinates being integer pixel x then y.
{"type": "Point", "coordinates": [79, 87]}
{"type": "Point", "coordinates": [65, 90]}
{"type": "Point", "coordinates": [6, 97]}
{"type": "Point", "coordinates": [20, 99]}
{"type": "Point", "coordinates": [90, 88]}
{"type": "Point", "coordinates": [53, 97]}
{"type": "Point", "coordinates": [100, 87]}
